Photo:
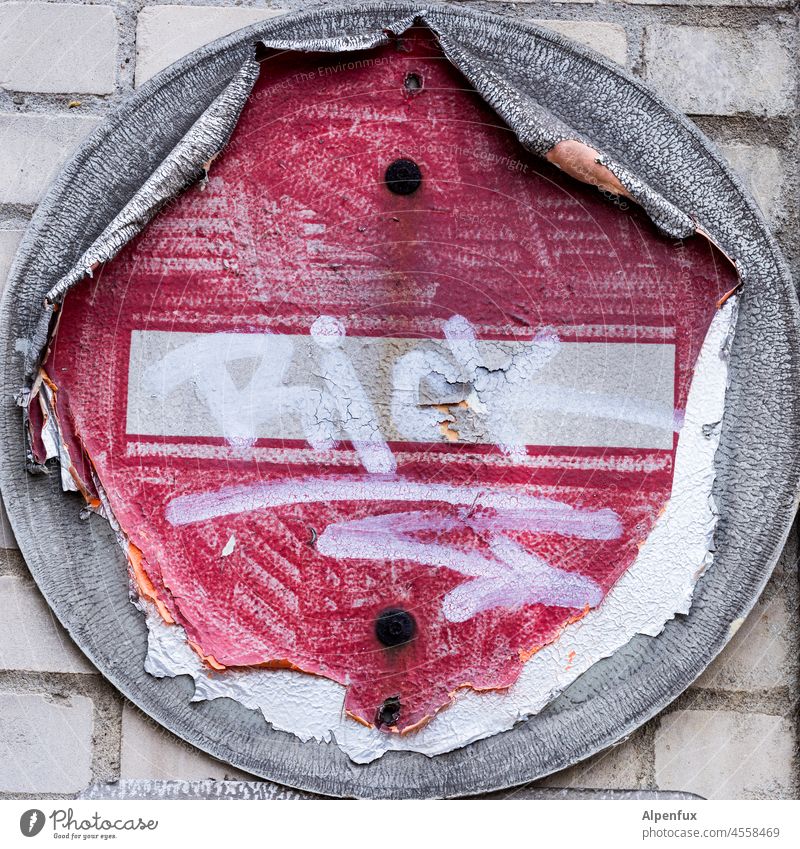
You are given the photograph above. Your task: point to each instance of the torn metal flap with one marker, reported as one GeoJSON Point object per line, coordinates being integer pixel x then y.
{"type": "Point", "coordinates": [665, 215]}
{"type": "Point", "coordinates": [209, 134]}
{"type": "Point", "coordinates": [535, 126]}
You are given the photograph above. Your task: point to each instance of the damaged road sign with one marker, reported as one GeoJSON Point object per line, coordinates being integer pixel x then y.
{"type": "Point", "coordinates": [400, 428]}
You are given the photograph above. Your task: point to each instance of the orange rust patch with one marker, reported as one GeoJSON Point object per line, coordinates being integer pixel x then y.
{"type": "Point", "coordinates": [446, 426]}
{"type": "Point", "coordinates": [721, 302]}
{"type": "Point", "coordinates": [526, 654]}
{"type": "Point", "coordinates": [278, 664]}
{"type": "Point", "coordinates": [145, 585]}
{"type": "Point", "coordinates": [93, 502]}
{"type": "Point", "coordinates": [581, 161]}
{"type": "Point", "coordinates": [208, 659]}
{"type": "Point", "coordinates": [46, 380]}
{"type": "Point", "coordinates": [358, 719]}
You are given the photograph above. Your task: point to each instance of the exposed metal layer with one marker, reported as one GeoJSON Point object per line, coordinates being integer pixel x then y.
{"type": "Point", "coordinates": [560, 92]}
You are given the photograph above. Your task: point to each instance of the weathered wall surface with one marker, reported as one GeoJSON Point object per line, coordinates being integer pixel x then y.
{"type": "Point", "coordinates": [730, 64]}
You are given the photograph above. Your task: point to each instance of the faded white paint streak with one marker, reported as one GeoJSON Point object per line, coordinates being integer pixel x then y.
{"type": "Point", "coordinates": [527, 511]}
{"type": "Point", "coordinates": [327, 386]}
{"type": "Point", "coordinates": [511, 578]}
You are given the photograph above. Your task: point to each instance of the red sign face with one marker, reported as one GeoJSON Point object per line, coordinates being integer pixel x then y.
{"type": "Point", "coordinates": [390, 401]}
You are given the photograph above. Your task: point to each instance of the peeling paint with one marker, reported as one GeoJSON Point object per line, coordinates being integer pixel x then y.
{"type": "Point", "coordinates": [659, 585]}
{"type": "Point", "coordinates": [230, 545]}
{"type": "Point", "coordinates": [466, 390]}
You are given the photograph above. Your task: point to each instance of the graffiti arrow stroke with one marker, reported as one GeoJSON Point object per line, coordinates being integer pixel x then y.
{"type": "Point", "coordinates": [510, 578]}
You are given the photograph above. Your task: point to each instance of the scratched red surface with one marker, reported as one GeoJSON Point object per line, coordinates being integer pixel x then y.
{"type": "Point", "coordinates": [296, 222]}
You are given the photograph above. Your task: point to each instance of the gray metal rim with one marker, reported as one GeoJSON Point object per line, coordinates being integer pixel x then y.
{"type": "Point", "coordinates": [80, 569]}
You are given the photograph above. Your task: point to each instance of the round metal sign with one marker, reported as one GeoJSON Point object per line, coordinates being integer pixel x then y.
{"type": "Point", "coordinates": [421, 467]}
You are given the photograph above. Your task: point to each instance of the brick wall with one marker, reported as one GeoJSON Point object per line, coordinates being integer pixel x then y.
{"type": "Point", "coordinates": [731, 65]}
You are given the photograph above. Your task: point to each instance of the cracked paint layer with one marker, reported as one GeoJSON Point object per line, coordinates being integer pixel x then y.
{"type": "Point", "coordinates": [476, 308]}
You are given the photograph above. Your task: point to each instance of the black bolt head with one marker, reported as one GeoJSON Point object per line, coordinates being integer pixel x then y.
{"type": "Point", "coordinates": [394, 627]}
{"type": "Point", "coordinates": [403, 177]}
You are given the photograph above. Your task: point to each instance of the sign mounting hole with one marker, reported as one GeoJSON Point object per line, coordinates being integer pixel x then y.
{"type": "Point", "coordinates": [395, 627]}
{"type": "Point", "coordinates": [413, 83]}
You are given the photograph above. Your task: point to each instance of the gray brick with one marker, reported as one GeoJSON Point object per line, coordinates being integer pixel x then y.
{"type": "Point", "coordinates": [57, 47]}
{"type": "Point", "coordinates": [761, 170]}
{"type": "Point", "coordinates": [605, 38]}
{"type": "Point", "coordinates": [716, 71]}
{"type": "Point", "coordinates": [32, 150]}
{"type": "Point", "coordinates": [758, 656]}
{"type": "Point", "coordinates": [46, 744]}
{"type": "Point", "coordinates": [165, 33]}
{"type": "Point", "coordinates": [30, 636]}
{"type": "Point", "coordinates": [150, 751]}
{"type": "Point", "coordinates": [726, 755]}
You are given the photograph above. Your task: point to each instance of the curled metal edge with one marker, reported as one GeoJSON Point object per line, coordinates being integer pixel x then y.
{"type": "Point", "coordinates": [204, 141]}
{"type": "Point", "coordinates": [539, 131]}
{"type": "Point", "coordinates": [665, 215]}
